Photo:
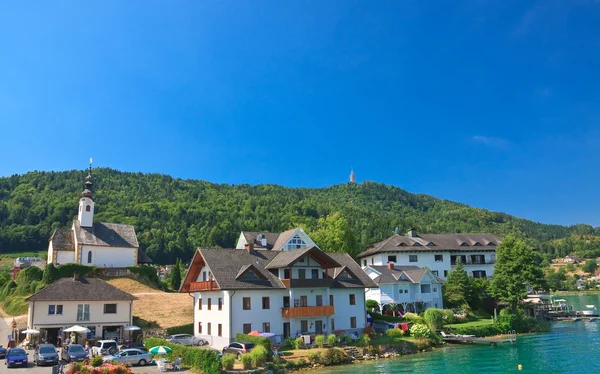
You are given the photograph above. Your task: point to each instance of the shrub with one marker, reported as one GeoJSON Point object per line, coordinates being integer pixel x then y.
{"type": "Point", "coordinates": [434, 318]}
{"type": "Point", "coordinates": [420, 331]}
{"type": "Point", "coordinates": [320, 340]}
{"type": "Point", "coordinates": [96, 361]}
{"type": "Point", "coordinates": [183, 329]}
{"type": "Point", "coordinates": [364, 340]}
{"type": "Point", "coordinates": [372, 305]}
{"type": "Point", "coordinates": [334, 356]}
{"type": "Point", "coordinates": [8, 289]}
{"type": "Point", "coordinates": [344, 338]}
{"type": "Point", "coordinates": [394, 333]}
{"type": "Point", "coordinates": [228, 360]}
{"type": "Point", "coordinates": [146, 272]}
{"type": "Point", "coordinates": [68, 270]}
{"type": "Point", "coordinates": [15, 305]}
{"type": "Point", "coordinates": [368, 330]}
{"type": "Point", "coordinates": [422, 343]}
{"type": "Point", "coordinates": [259, 356]}
{"type": "Point", "coordinates": [247, 361]}
{"type": "Point", "coordinates": [331, 339]}
{"type": "Point", "coordinates": [298, 343]}
{"type": "Point", "coordinates": [199, 359]}
{"type": "Point", "coordinates": [50, 275]}
{"type": "Point", "coordinates": [258, 340]}
{"type": "Point", "coordinates": [315, 357]}
{"type": "Point", "coordinates": [414, 318]}
{"type": "Point", "coordinates": [449, 317]}
{"type": "Point", "coordinates": [301, 363]}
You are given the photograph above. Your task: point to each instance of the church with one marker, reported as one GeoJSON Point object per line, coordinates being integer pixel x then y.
{"type": "Point", "coordinates": [106, 245]}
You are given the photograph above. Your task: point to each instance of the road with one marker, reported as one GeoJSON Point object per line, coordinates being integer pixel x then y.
{"type": "Point", "coordinates": [5, 330]}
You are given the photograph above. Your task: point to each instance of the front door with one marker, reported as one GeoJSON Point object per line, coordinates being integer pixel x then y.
{"type": "Point", "coordinates": [286, 330]}
{"type": "Point", "coordinates": [318, 327]}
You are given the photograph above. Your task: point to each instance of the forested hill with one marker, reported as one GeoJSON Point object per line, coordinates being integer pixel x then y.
{"type": "Point", "coordinates": [174, 216]}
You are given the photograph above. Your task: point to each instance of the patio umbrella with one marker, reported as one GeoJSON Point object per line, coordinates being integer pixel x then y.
{"type": "Point", "coordinates": [30, 331]}
{"type": "Point", "coordinates": [160, 350]}
{"type": "Point", "coordinates": [266, 334]}
{"type": "Point", "coordinates": [132, 328]}
{"type": "Point", "coordinates": [254, 333]}
{"type": "Point", "coordinates": [77, 329]}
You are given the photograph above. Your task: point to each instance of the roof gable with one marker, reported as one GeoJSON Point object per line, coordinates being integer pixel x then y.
{"type": "Point", "coordinates": [106, 234]}
{"type": "Point", "coordinates": [84, 289]}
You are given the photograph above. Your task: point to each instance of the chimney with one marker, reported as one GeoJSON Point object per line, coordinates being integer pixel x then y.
{"type": "Point", "coordinates": [412, 233]}
{"type": "Point", "coordinates": [75, 276]}
{"type": "Point", "coordinates": [263, 242]}
{"type": "Point", "coordinates": [249, 246]}
{"type": "Point", "coordinates": [391, 265]}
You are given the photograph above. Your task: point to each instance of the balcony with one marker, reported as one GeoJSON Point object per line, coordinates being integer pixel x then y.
{"type": "Point", "coordinates": [470, 262]}
{"type": "Point", "coordinates": [307, 311]}
{"type": "Point", "coordinates": [307, 283]}
{"type": "Point", "coordinates": [204, 286]}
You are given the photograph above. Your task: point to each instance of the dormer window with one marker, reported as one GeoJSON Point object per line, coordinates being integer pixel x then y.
{"type": "Point", "coordinates": [431, 244]}
{"type": "Point", "coordinates": [463, 244]}
{"type": "Point", "coordinates": [491, 244]}
{"type": "Point", "coordinates": [477, 244]}
{"type": "Point", "coordinates": [345, 275]}
{"type": "Point", "coordinates": [402, 245]}
{"type": "Point", "coordinates": [296, 243]}
{"type": "Point", "coordinates": [416, 245]}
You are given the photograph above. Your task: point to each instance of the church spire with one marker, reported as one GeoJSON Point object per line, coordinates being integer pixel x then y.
{"type": "Point", "coordinates": [86, 204]}
{"type": "Point", "coordinates": [89, 189]}
{"type": "Point", "coordinates": [352, 176]}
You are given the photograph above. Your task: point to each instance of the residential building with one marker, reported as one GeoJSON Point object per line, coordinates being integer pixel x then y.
{"type": "Point", "coordinates": [404, 288]}
{"type": "Point", "coordinates": [438, 252]}
{"type": "Point", "coordinates": [284, 241]}
{"type": "Point", "coordinates": [90, 302]}
{"type": "Point", "coordinates": [107, 245]}
{"type": "Point", "coordinates": [284, 292]}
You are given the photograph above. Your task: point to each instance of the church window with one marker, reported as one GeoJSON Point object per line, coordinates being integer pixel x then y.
{"type": "Point", "coordinates": [87, 208]}
{"type": "Point", "coordinates": [89, 257]}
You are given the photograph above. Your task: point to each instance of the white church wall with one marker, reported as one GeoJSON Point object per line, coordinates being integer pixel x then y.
{"type": "Point", "coordinates": [116, 257]}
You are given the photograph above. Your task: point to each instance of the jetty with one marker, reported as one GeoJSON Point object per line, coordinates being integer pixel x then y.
{"type": "Point", "coordinates": [510, 337]}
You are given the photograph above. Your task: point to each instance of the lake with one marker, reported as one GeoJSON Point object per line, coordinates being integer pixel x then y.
{"type": "Point", "coordinates": [567, 348]}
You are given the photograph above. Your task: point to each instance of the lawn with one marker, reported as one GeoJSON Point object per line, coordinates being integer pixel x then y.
{"type": "Point", "coordinates": [479, 322]}
{"type": "Point", "coordinates": [8, 259]}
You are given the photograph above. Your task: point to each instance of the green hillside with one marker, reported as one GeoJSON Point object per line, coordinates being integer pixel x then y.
{"type": "Point", "coordinates": [173, 216]}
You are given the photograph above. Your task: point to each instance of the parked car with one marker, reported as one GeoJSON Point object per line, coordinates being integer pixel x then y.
{"type": "Point", "coordinates": [105, 347]}
{"type": "Point", "coordinates": [73, 352]}
{"type": "Point", "coordinates": [2, 352]}
{"type": "Point", "coordinates": [186, 339]}
{"type": "Point", "coordinates": [238, 348]}
{"type": "Point", "coordinates": [131, 357]}
{"type": "Point", "coordinates": [136, 345]}
{"type": "Point", "coordinates": [45, 354]}
{"type": "Point", "coordinates": [16, 357]}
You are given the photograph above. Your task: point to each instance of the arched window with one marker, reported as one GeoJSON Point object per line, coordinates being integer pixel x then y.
{"type": "Point", "coordinates": [87, 208]}
{"type": "Point", "coordinates": [89, 257]}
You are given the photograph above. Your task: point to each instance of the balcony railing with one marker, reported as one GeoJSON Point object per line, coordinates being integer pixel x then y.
{"type": "Point", "coordinates": [204, 286]}
{"type": "Point", "coordinates": [470, 262]}
{"type": "Point", "coordinates": [307, 283]}
{"type": "Point", "coordinates": [307, 311]}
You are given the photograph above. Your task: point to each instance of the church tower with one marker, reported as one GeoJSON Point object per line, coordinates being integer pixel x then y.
{"type": "Point", "coordinates": [352, 176]}
{"type": "Point", "coordinates": [86, 204]}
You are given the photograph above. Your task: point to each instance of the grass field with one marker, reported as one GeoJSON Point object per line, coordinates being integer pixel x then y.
{"type": "Point", "coordinates": [8, 259]}
{"type": "Point", "coordinates": [479, 322]}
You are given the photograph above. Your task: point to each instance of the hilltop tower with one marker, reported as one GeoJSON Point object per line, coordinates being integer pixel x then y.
{"type": "Point", "coordinates": [86, 204]}
{"type": "Point", "coordinates": [352, 176]}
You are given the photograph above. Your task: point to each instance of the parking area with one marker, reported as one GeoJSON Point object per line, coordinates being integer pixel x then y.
{"type": "Point", "coordinates": [47, 369]}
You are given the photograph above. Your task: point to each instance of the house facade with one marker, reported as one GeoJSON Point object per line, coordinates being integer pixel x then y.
{"type": "Point", "coordinates": [437, 252]}
{"type": "Point", "coordinates": [90, 302]}
{"type": "Point", "coordinates": [286, 293]}
{"type": "Point", "coordinates": [404, 288]}
{"type": "Point", "coordinates": [107, 245]}
{"type": "Point", "coordinates": [271, 241]}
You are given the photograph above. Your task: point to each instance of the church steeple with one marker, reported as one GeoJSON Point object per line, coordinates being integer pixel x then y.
{"type": "Point", "coordinates": [352, 176]}
{"type": "Point", "coordinates": [86, 204]}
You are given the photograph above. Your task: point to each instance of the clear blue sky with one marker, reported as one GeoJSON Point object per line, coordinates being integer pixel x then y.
{"type": "Point", "coordinates": [490, 103]}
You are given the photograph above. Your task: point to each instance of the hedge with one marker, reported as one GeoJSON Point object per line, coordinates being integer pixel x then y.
{"type": "Point", "coordinates": [146, 272]}
{"type": "Point", "coordinates": [197, 358]}
{"type": "Point", "coordinates": [67, 270]}
{"type": "Point", "coordinates": [258, 340]}
{"type": "Point", "coordinates": [183, 329]}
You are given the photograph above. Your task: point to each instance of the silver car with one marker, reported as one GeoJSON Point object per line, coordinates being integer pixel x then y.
{"type": "Point", "coordinates": [186, 339]}
{"type": "Point", "coordinates": [130, 356]}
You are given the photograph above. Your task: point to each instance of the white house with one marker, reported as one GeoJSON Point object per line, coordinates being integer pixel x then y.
{"type": "Point", "coordinates": [90, 302]}
{"type": "Point", "coordinates": [438, 252]}
{"type": "Point", "coordinates": [410, 288]}
{"type": "Point", "coordinates": [284, 241]}
{"type": "Point", "coordinates": [108, 245]}
{"type": "Point", "coordinates": [287, 293]}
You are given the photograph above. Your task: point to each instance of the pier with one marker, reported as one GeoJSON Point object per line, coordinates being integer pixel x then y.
{"type": "Point", "coordinates": [511, 337]}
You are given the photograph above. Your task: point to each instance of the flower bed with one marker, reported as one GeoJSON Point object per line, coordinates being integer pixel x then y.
{"type": "Point", "coordinates": [107, 368]}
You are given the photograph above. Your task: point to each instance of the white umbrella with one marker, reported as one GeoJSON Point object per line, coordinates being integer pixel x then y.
{"type": "Point", "coordinates": [77, 328]}
{"type": "Point", "coordinates": [132, 328]}
{"type": "Point", "coordinates": [30, 331]}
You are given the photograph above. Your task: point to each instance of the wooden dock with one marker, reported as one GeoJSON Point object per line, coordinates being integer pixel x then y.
{"type": "Point", "coordinates": [511, 337]}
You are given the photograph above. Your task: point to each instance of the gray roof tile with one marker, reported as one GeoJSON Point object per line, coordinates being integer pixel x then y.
{"type": "Point", "coordinates": [106, 234]}
{"type": "Point", "coordinates": [84, 289]}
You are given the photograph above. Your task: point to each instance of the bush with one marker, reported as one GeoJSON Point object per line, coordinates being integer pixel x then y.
{"type": "Point", "coordinates": [420, 331]}
{"type": "Point", "coordinates": [199, 359]}
{"type": "Point", "coordinates": [50, 275]}
{"type": "Point", "coordinates": [228, 360]}
{"type": "Point", "coordinates": [147, 273]}
{"type": "Point", "coordinates": [259, 356]}
{"type": "Point", "coordinates": [335, 356]}
{"type": "Point", "coordinates": [96, 361]}
{"type": "Point", "coordinates": [434, 318]}
{"type": "Point", "coordinates": [183, 329]}
{"type": "Point", "coordinates": [331, 339]}
{"type": "Point", "coordinates": [449, 317]}
{"type": "Point", "coordinates": [315, 357]}
{"type": "Point", "coordinates": [301, 363]}
{"type": "Point", "coordinates": [414, 318]}
{"type": "Point", "coordinates": [394, 333]}
{"type": "Point", "coordinates": [368, 330]}
{"type": "Point", "coordinates": [298, 343]}
{"type": "Point", "coordinates": [247, 361]}
{"type": "Point", "coordinates": [320, 340]}
{"type": "Point", "coordinates": [290, 365]}
{"type": "Point", "coordinates": [8, 289]}
{"type": "Point", "coordinates": [106, 368]}
{"type": "Point", "coordinates": [258, 340]}
{"type": "Point", "coordinates": [372, 305]}
{"type": "Point", "coordinates": [15, 305]}
{"type": "Point", "coordinates": [364, 340]}
{"type": "Point", "coordinates": [68, 270]}
{"type": "Point", "coordinates": [344, 338]}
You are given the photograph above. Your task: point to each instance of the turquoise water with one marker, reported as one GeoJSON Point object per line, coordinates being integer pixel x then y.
{"type": "Point", "coordinates": [568, 348]}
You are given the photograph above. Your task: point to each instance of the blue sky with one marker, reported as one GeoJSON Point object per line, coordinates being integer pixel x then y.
{"type": "Point", "coordinates": [490, 103]}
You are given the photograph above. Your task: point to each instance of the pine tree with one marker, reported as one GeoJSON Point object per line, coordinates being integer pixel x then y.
{"type": "Point", "coordinates": [457, 290]}
{"type": "Point", "coordinates": [176, 276]}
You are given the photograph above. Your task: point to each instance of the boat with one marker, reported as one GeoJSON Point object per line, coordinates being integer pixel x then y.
{"type": "Point", "coordinates": [590, 311]}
